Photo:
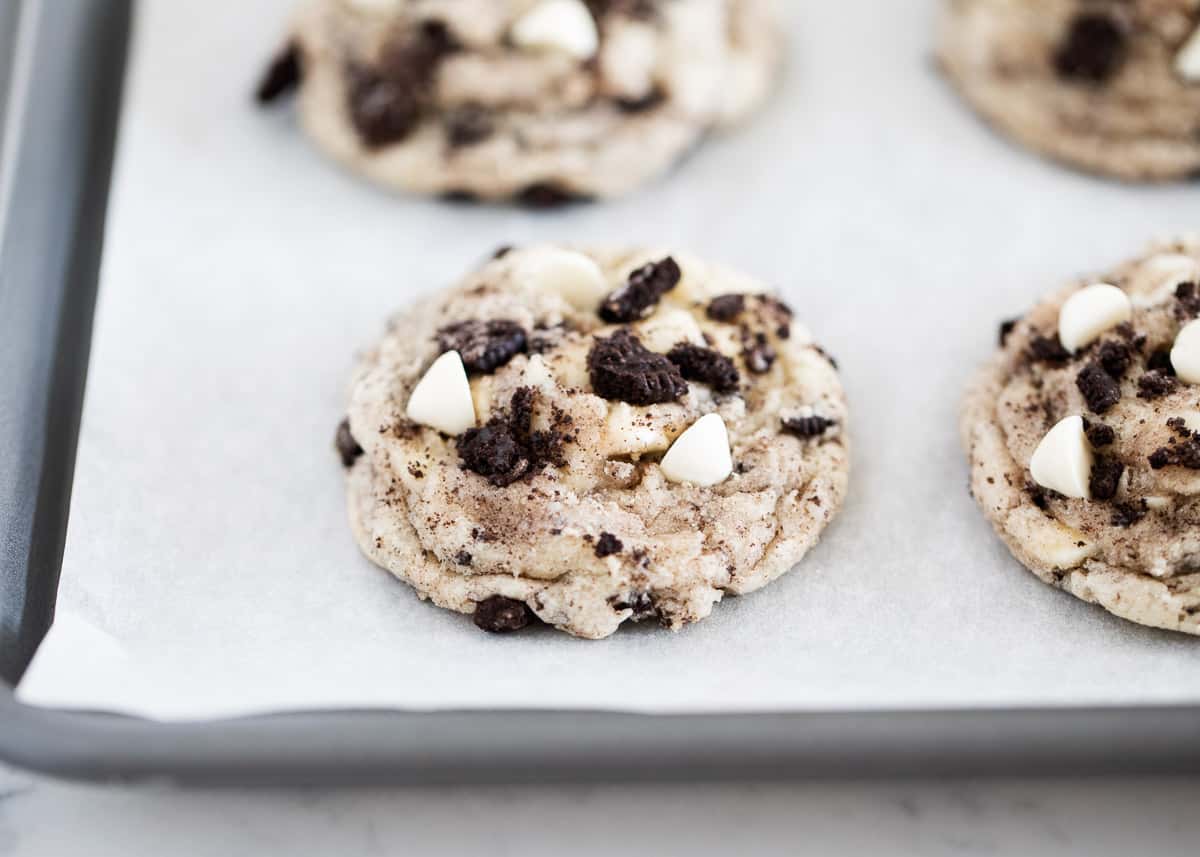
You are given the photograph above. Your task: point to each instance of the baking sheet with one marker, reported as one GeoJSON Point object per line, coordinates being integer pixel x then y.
{"type": "Point", "coordinates": [209, 570]}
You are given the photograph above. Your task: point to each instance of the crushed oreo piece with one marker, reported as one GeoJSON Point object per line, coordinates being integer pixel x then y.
{"type": "Point", "coordinates": [607, 545]}
{"type": "Point", "coordinates": [500, 615]}
{"type": "Point", "coordinates": [282, 76]}
{"type": "Point", "coordinates": [726, 308]}
{"type": "Point", "coordinates": [506, 449]}
{"type": "Point", "coordinates": [1115, 357]}
{"type": "Point", "coordinates": [1006, 328]}
{"type": "Point", "coordinates": [544, 195]}
{"type": "Point", "coordinates": [502, 251]}
{"type": "Point", "coordinates": [1048, 349]}
{"type": "Point", "coordinates": [1099, 389]}
{"type": "Point", "coordinates": [622, 369]}
{"type": "Point", "coordinates": [1188, 295]}
{"type": "Point", "coordinates": [462, 558]}
{"type": "Point", "coordinates": [1179, 426]}
{"type": "Point", "coordinates": [642, 291]}
{"type": "Point", "coordinates": [1182, 451]}
{"type": "Point", "coordinates": [1128, 514]}
{"type": "Point", "coordinates": [1106, 477]}
{"type": "Point", "coordinates": [1099, 434]}
{"type": "Point", "coordinates": [654, 98]}
{"type": "Point", "coordinates": [1155, 385]}
{"type": "Point", "coordinates": [1094, 49]}
{"type": "Point", "coordinates": [757, 352]}
{"type": "Point", "coordinates": [1037, 495]}
{"type": "Point", "coordinates": [468, 125]}
{"type": "Point", "coordinates": [811, 426]}
{"type": "Point", "coordinates": [484, 346]}
{"type": "Point", "coordinates": [641, 604]}
{"type": "Point", "coordinates": [388, 100]}
{"type": "Point", "coordinates": [705, 366]}
{"type": "Point", "coordinates": [347, 446]}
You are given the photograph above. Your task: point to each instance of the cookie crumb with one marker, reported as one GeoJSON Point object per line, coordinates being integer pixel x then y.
{"type": "Point", "coordinates": [642, 291]}
{"type": "Point", "coordinates": [705, 366]}
{"type": "Point", "coordinates": [1046, 349]}
{"type": "Point", "coordinates": [347, 447]}
{"type": "Point", "coordinates": [1093, 51]}
{"type": "Point", "coordinates": [500, 615]}
{"type": "Point", "coordinates": [1155, 385]}
{"type": "Point", "coordinates": [726, 308]}
{"type": "Point", "coordinates": [1106, 477]}
{"type": "Point", "coordinates": [1127, 514]}
{"type": "Point", "coordinates": [607, 545]}
{"type": "Point", "coordinates": [1099, 389]}
{"type": "Point", "coordinates": [484, 346]}
{"type": "Point", "coordinates": [623, 369]}
{"type": "Point", "coordinates": [810, 426]}
{"type": "Point", "coordinates": [282, 76]}
{"type": "Point", "coordinates": [1099, 434]}
{"type": "Point", "coordinates": [1006, 329]}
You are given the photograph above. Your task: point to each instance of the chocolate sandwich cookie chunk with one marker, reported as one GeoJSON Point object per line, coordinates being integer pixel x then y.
{"type": "Point", "coordinates": [540, 102]}
{"type": "Point", "coordinates": [1108, 86]}
{"type": "Point", "coordinates": [520, 451]}
{"type": "Point", "coordinates": [1083, 433]}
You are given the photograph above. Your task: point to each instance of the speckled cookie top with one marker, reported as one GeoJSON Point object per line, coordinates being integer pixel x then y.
{"type": "Point", "coordinates": [1087, 457]}
{"type": "Point", "coordinates": [1110, 85]}
{"type": "Point", "coordinates": [447, 96]}
{"type": "Point", "coordinates": [579, 472]}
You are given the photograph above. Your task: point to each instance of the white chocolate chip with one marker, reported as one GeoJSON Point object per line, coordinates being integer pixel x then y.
{"type": "Point", "coordinates": [667, 328]}
{"type": "Point", "coordinates": [1185, 356]}
{"type": "Point", "coordinates": [1090, 312]}
{"type": "Point", "coordinates": [574, 276]}
{"type": "Point", "coordinates": [1187, 61]}
{"type": "Point", "coordinates": [701, 454]}
{"type": "Point", "coordinates": [1158, 504]}
{"type": "Point", "coordinates": [442, 398]}
{"type": "Point", "coordinates": [1052, 543]}
{"type": "Point", "coordinates": [631, 432]}
{"type": "Point", "coordinates": [1063, 460]}
{"type": "Point", "coordinates": [1158, 278]}
{"type": "Point", "coordinates": [558, 25]}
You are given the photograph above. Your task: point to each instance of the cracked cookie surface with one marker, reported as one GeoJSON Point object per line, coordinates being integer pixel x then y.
{"type": "Point", "coordinates": [464, 98]}
{"type": "Point", "coordinates": [1129, 537]}
{"type": "Point", "coordinates": [557, 498]}
{"type": "Point", "coordinates": [1108, 86]}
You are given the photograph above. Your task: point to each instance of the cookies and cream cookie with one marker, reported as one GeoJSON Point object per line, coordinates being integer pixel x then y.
{"type": "Point", "coordinates": [593, 437]}
{"type": "Point", "coordinates": [1109, 86]}
{"type": "Point", "coordinates": [1084, 438]}
{"type": "Point", "coordinates": [540, 101]}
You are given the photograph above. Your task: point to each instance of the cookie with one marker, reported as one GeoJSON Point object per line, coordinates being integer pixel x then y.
{"type": "Point", "coordinates": [537, 101]}
{"type": "Point", "coordinates": [1083, 434]}
{"type": "Point", "coordinates": [514, 454]}
{"type": "Point", "coordinates": [1108, 86]}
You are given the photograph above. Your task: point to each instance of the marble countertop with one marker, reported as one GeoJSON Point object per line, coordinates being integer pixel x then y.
{"type": "Point", "coordinates": [1097, 817]}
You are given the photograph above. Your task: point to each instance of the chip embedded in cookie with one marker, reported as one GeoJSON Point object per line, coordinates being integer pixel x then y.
{"type": "Point", "coordinates": [541, 102]}
{"type": "Point", "coordinates": [1083, 434]}
{"type": "Point", "coordinates": [513, 454]}
{"type": "Point", "coordinates": [1109, 87]}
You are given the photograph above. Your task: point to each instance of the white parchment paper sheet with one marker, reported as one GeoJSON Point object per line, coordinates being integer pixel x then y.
{"type": "Point", "coordinates": [208, 537]}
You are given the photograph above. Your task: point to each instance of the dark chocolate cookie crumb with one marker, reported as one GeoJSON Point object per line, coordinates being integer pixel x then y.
{"type": "Point", "coordinates": [462, 558]}
{"type": "Point", "coordinates": [757, 352]}
{"type": "Point", "coordinates": [506, 449]}
{"type": "Point", "coordinates": [347, 446]}
{"type": "Point", "coordinates": [1128, 514]}
{"type": "Point", "coordinates": [500, 615]}
{"type": "Point", "coordinates": [544, 195]}
{"type": "Point", "coordinates": [1094, 49]}
{"type": "Point", "coordinates": [1006, 328]}
{"type": "Point", "coordinates": [705, 366]}
{"type": "Point", "coordinates": [484, 346]}
{"type": "Point", "coordinates": [1099, 434]}
{"type": "Point", "coordinates": [812, 426]}
{"type": "Point", "coordinates": [468, 125]}
{"type": "Point", "coordinates": [1048, 349]}
{"type": "Point", "coordinates": [1037, 495]}
{"type": "Point", "coordinates": [1182, 451]}
{"type": "Point", "coordinates": [1099, 389]}
{"type": "Point", "coordinates": [622, 369]}
{"type": "Point", "coordinates": [641, 603]}
{"type": "Point", "coordinates": [388, 101]}
{"type": "Point", "coordinates": [1155, 385]}
{"type": "Point", "coordinates": [1116, 358]}
{"type": "Point", "coordinates": [502, 251]}
{"type": "Point", "coordinates": [1179, 426]}
{"type": "Point", "coordinates": [726, 308]}
{"type": "Point", "coordinates": [641, 292]}
{"type": "Point", "coordinates": [1106, 477]}
{"type": "Point", "coordinates": [607, 545]}
{"type": "Point", "coordinates": [654, 98]}
{"type": "Point", "coordinates": [282, 76]}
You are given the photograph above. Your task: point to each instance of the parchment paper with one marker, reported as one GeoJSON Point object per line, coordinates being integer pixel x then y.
{"type": "Point", "coordinates": [209, 568]}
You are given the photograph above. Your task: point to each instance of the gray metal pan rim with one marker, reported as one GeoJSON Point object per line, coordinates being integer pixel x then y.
{"type": "Point", "coordinates": [62, 129]}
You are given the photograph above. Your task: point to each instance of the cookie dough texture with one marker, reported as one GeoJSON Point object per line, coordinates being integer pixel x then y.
{"type": "Point", "coordinates": [436, 96]}
{"type": "Point", "coordinates": [1108, 86]}
{"type": "Point", "coordinates": [1134, 548]}
{"type": "Point", "coordinates": [597, 535]}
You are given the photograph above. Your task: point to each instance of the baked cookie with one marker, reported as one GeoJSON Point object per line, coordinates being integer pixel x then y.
{"type": "Point", "coordinates": [1084, 439]}
{"type": "Point", "coordinates": [590, 438]}
{"type": "Point", "coordinates": [541, 101]}
{"type": "Point", "coordinates": [1109, 86]}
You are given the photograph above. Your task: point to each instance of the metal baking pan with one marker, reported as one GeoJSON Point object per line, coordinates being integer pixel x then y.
{"type": "Point", "coordinates": [61, 63]}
